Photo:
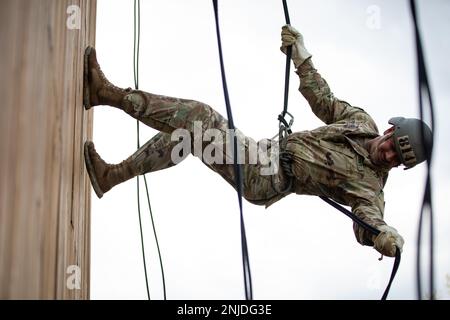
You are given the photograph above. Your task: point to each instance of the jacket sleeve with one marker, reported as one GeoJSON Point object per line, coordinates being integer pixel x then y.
{"type": "Point", "coordinates": [323, 103]}
{"type": "Point", "coordinates": [372, 215]}
{"type": "Point", "coordinates": [367, 204]}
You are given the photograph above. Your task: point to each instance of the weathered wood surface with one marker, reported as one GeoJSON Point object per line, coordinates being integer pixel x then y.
{"type": "Point", "coordinates": [44, 189]}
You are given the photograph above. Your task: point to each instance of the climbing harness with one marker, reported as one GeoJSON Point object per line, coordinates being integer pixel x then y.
{"type": "Point", "coordinates": [237, 167]}
{"type": "Point", "coordinates": [137, 35]}
{"type": "Point", "coordinates": [286, 161]}
{"type": "Point", "coordinates": [424, 87]}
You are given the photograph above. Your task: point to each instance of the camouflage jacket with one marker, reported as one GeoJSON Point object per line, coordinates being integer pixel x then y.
{"type": "Point", "coordinates": [331, 160]}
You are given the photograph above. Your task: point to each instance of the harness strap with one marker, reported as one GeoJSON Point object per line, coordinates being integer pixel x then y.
{"type": "Point", "coordinates": [285, 162]}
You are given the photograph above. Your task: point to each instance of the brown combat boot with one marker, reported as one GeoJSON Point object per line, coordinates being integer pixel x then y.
{"type": "Point", "coordinates": [103, 175]}
{"type": "Point", "coordinates": [97, 90]}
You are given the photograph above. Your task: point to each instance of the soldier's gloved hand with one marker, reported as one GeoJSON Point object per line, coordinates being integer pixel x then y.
{"type": "Point", "coordinates": [387, 241]}
{"type": "Point", "coordinates": [291, 37]}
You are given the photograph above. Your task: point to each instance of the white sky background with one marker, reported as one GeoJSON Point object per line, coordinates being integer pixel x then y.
{"type": "Point", "coordinates": [300, 248]}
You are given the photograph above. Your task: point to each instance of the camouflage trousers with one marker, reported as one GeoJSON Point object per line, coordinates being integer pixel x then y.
{"type": "Point", "coordinates": [168, 115]}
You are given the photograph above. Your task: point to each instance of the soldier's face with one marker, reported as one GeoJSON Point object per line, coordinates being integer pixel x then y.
{"type": "Point", "coordinates": [383, 151]}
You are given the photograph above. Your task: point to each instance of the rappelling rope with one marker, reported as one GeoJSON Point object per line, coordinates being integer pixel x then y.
{"type": "Point", "coordinates": [373, 230]}
{"type": "Point", "coordinates": [427, 198]}
{"type": "Point", "coordinates": [237, 167]}
{"type": "Point", "coordinates": [286, 127]}
{"type": "Point", "coordinates": [137, 35]}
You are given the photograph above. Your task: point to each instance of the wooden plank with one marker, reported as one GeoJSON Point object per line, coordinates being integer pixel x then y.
{"type": "Point", "coordinates": [44, 189]}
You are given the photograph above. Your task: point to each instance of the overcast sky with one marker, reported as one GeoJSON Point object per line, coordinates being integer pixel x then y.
{"type": "Point", "coordinates": [300, 248]}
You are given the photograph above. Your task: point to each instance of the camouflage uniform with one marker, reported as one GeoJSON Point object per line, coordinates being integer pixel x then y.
{"type": "Point", "coordinates": [168, 114]}
{"type": "Point", "coordinates": [329, 161]}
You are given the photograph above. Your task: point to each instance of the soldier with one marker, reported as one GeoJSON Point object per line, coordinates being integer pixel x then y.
{"type": "Point", "coordinates": [346, 159]}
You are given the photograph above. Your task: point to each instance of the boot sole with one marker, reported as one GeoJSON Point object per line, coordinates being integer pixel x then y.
{"type": "Point", "coordinates": [86, 97]}
{"type": "Point", "coordinates": [91, 172]}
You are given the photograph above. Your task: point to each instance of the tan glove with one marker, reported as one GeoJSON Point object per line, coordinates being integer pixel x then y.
{"type": "Point", "coordinates": [291, 37]}
{"type": "Point", "coordinates": [387, 241]}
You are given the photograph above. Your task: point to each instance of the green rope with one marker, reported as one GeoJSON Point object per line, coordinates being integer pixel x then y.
{"type": "Point", "coordinates": [136, 86]}
{"type": "Point", "coordinates": [137, 33]}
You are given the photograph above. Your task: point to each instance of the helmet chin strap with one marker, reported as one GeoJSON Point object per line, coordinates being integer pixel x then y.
{"type": "Point", "coordinates": [387, 136]}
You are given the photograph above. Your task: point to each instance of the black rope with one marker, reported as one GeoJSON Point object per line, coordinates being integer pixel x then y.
{"type": "Point", "coordinates": [352, 216]}
{"type": "Point", "coordinates": [137, 36]}
{"type": "Point", "coordinates": [282, 115]}
{"type": "Point", "coordinates": [356, 219]}
{"type": "Point", "coordinates": [374, 231]}
{"type": "Point", "coordinates": [237, 167]}
{"type": "Point", "coordinates": [424, 87]}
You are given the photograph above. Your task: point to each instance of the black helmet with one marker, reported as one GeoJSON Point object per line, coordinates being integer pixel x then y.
{"type": "Point", "coordinates": [408, 140]}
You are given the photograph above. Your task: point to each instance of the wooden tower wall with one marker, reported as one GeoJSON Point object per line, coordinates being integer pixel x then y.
{"type": "Point", "coordinates": [44, 188]}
